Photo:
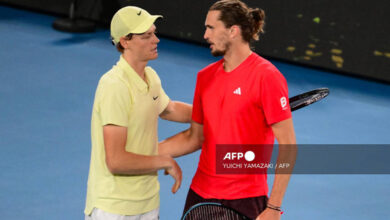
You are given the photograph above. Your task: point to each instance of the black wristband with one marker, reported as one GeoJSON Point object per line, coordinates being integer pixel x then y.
{"type": "Point", "coordinates": [274, 208]}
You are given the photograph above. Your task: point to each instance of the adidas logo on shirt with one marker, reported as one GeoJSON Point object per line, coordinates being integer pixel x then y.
{"type": "Point", "coordinates": [237, 91]}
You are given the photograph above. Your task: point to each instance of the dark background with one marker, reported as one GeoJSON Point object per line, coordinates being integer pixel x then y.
{"type": "Point", "coordinates": [346, 36]}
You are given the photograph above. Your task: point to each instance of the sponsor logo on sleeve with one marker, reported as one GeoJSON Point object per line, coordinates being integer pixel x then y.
{"type": "Point", "coordinates": [283, 103]}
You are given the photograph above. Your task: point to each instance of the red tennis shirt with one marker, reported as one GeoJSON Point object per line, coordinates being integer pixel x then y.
{"type": "Point", "coordinates": [236, 107]}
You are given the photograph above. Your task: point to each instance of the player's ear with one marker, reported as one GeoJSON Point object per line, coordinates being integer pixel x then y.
{"type": "Point", "coordinates": [235, 31]}
{"type": "Point", "coordinates": [123, 41]}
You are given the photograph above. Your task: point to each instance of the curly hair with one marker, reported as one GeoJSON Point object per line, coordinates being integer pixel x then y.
{"type": "Point", "coordinates": [235, 12]}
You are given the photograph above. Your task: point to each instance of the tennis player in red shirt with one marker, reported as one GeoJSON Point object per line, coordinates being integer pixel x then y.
{"type": "Point", "coordinates": [240, 99]}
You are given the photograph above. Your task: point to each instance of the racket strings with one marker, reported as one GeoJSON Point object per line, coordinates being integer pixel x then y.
{"type": "Point", "coordinates": [308, 98]}
{"type": "Point", "coordinates": [213, 212]}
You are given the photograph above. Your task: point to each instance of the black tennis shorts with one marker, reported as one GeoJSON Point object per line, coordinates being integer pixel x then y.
{"type": "Point", "coordinates": [251, 207]}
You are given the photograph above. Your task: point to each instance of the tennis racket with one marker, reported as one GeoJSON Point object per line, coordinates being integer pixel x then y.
{"type": "Point", "coordinates": [308, 98]}
{"type": "Point", "coordinates": [212, 211]}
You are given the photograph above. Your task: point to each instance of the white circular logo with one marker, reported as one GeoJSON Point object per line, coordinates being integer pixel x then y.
{"type": "Point", "coordinates": [249, 156]}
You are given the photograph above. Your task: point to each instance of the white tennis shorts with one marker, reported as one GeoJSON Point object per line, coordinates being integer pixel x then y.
{"type": "Point", "coordinates": [98, 214]}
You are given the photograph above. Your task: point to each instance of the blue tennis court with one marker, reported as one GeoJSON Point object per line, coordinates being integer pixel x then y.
{"type": "Point", "coordinates": [47, 85]}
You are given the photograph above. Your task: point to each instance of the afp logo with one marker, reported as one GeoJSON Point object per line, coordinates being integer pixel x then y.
{"type": "Point", "coordinates": [248, 156]}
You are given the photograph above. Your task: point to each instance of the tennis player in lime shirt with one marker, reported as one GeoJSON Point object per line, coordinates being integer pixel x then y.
{"type": "Point", "coordinates": [122, 182]}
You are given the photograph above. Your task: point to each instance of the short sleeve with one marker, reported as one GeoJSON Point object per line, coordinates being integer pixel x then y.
{"type": "Point", "coordinates": [274, 97]}
{"type": "Point", "coordinates": [197, 110]}
{"type": "Point", "coordinates": [114, 104]}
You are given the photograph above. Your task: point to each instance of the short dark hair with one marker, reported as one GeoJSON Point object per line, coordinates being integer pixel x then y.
{"type": "Point", "coordinates": [235, 12]}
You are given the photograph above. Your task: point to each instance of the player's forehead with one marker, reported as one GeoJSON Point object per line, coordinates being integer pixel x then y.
{"type": "Point", "coordinates": [212, 18]}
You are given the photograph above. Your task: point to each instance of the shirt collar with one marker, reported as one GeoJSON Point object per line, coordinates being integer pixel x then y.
{"type": "Point", "coordinates": [132, 76]}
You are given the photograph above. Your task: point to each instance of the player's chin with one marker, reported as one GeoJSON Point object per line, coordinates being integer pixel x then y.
{"type": "Point", "coordinates": [217, 53]}
{"type": "Point", "coordinates": [154, 56]}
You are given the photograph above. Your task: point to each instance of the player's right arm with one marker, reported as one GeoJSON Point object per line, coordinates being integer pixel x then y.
{"type": "Point", "coordinates": [119, 161]}
{"type": "Point", "coordinates": [183, 143]}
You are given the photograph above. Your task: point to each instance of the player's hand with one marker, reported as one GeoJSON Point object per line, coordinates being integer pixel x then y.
{"type": "Point", "coordinates": [175, 171]}
{"type": "Point", "coordinates": [269, 214]}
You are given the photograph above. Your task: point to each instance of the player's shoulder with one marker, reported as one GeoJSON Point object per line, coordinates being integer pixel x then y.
{"type": "Point", "coordinates": [264, 64]}
{"type": "Point", "coordinates": [210, 69]}
{"type": "Point", "coordinates": [266, 69]}
{"type": "Point", "coordinates": [111, 76]}
{"type": "Point", "coordinates": [112, 79]}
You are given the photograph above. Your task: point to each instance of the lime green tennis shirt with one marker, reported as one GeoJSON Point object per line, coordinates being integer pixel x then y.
{"type": "Point", "coordinates": [122, 98]}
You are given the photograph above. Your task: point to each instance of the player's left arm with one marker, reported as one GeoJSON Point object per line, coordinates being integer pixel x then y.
{"type": "Point", "coordinates": [285, 135]}
{"type": "Point", "coordinates": [177, 111]}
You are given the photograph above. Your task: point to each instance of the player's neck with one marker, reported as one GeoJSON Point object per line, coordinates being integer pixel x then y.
{"type": "Point", "coordinates": [235, 56]}
{"type": "Point", "coordinates": [138, 66]}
